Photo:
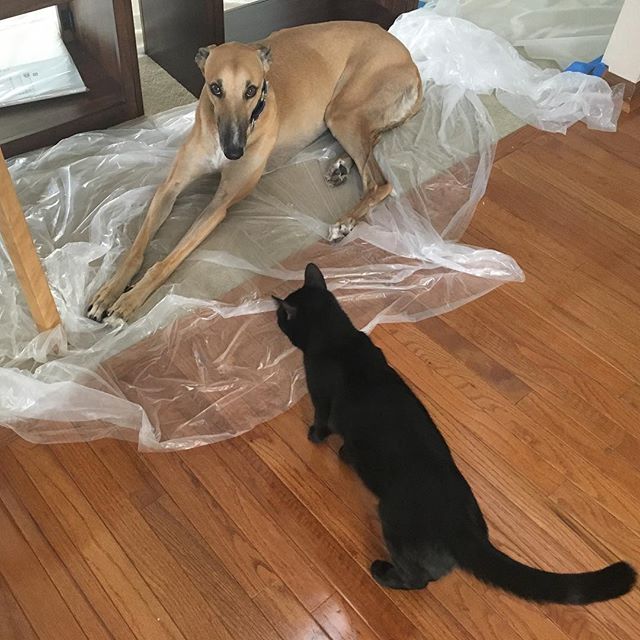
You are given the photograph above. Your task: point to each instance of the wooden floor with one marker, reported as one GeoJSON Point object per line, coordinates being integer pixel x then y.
{"type": "Point", "coordinates": [267, 536]}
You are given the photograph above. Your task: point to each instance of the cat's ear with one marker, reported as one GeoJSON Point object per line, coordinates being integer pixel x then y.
{"type": "Point", "coordinates": [313, 277]}
{"type": "Point", "coordinates": [289, 308]}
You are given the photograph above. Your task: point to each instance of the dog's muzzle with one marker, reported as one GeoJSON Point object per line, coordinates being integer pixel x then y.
{"type": "Point", "coordinates": [233, 139]}
{"type": "Point", "coordinates": [233, 153]}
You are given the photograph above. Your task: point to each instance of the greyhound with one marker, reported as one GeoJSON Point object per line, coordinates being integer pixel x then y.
{"type": "Point", "coordinates": [264, 102]}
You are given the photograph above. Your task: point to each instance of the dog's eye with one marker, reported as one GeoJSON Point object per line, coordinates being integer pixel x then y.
{"type": "Point", "coordinates": [216, 89]}
{"type": "Point", "coordinates": [250, 92]}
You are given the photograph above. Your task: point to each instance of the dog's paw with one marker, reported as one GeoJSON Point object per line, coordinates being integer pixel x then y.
{"type": "Point", "coordinates": [125, 306]}
{"type": "Point", "coordinates": [102, 301]}
{"type": "Point", "coordinates": [341, 230]}
{"type": "Point", "coordinates": [338, 173]}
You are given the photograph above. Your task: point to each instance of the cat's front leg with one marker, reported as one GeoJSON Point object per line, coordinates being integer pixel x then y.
{"type": "Point", "coordinates": [318, 434]}
{"type": "Point", "coordinates": [319, 430]}
{"type": "Point", "coordinates": [345, 454]}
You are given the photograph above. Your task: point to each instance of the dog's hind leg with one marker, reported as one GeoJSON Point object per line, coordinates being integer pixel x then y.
{"type": "Point", "coordinates": [358, 140]}
{"type": "Point", "coordinates": [357, 127]}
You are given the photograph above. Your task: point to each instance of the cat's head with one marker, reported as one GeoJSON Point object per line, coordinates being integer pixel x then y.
{"type": "Point", "coordinates": [302, 314]}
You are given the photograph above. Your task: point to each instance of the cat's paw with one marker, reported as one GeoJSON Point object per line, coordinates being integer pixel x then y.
{"type": "Point", "coordinates": [380, 570]}
{"type": "Point", "coordinates": [317, 434]}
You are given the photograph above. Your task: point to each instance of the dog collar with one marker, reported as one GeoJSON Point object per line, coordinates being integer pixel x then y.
{"type": "Point", "coordinates": [261, 104]}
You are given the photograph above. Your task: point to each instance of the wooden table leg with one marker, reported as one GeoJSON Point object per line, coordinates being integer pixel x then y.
{"type": "Point", "coordinates": [19, 243]}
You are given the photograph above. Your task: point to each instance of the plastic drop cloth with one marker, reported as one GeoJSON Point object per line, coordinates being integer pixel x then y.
{"type": "Point", "coordinates": [34, 62]}
{"type": "Point", "coordinates": [560, 30]}
{"type": "Point", "coordinates": [204, 359]}
{"type": "Point", "coordinates": [450, 50]}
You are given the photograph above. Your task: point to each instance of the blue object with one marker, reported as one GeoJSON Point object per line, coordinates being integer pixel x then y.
{"type": "Point", "coordinates": [594, 68]}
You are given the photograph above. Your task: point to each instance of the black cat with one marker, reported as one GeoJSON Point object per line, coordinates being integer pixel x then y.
{"type": "Point", "coordinates": [430, 518]}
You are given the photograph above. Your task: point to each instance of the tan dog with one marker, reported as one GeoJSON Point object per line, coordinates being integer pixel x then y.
{"type": "Point", "coordinates": [267, 101]}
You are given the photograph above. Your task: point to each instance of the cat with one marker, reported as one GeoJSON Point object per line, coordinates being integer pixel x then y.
{"type": "Point", "coordinates": [431, 521]}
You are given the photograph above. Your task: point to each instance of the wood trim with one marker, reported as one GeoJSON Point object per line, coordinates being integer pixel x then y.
{"type": "Point", "coordinates": [631, 100]}
{"type": "Point", "coordinates": [17, 239]}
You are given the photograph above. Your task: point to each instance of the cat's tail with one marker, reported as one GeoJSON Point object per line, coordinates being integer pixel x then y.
{"type": "Point", "coordinates": [496, 568]}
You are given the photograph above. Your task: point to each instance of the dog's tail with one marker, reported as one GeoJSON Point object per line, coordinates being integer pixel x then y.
{"type": "Point", "coordinates": [492, 566]}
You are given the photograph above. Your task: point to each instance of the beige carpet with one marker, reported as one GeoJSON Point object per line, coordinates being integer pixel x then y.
{"type": "Point", "coordinates": [159, 90]}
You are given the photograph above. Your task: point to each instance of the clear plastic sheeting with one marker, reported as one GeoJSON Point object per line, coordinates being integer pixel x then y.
{"type": "Point", "coordinates": [34, 62]}
{"type": "Point", "coordinates": [453, 51]}
{"type": "Point", "coordinates": [204, 360]}
{"type": "Point", "coordinates": [560, 30]}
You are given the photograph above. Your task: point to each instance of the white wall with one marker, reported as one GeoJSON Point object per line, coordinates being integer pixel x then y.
{"type": "Point", "coordinates": [623, 51]}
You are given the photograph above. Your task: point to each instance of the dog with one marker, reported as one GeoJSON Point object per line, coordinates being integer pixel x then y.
{"type": "Point", "coordinates": [262, 103]}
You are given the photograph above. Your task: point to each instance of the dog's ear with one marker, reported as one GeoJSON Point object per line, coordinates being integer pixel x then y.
{"type": "Point", "coordinates": [202, 55]}
{"type": "Point", "coordinates": [264, 54]}
{"type": "Point", "coordinates": [313, 277]}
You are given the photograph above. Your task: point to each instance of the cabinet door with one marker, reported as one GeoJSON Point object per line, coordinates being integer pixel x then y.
{"type": "Point", "coordinates": [175, 30]}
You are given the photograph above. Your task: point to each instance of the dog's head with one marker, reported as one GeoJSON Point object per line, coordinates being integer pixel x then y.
{"type": "Point", "coordinates": [234, 76]}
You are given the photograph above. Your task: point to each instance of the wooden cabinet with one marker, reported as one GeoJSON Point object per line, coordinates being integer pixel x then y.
{"type": "Point", "coordinates": [100, 37]}
{"type": "Point", "coordinates": [175, 30]}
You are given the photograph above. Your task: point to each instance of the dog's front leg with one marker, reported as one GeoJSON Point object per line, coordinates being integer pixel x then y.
{"type": "Point", "coordinates": [238, 180]}
{"type": "Point", "coordinates": [190, 164]}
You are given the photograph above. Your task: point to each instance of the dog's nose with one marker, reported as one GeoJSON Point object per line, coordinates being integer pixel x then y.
{"type": "Point", "coordinates": [233, 153]}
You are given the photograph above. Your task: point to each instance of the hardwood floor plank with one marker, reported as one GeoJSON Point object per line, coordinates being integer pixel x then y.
{"type": "Point", "coordinates": [573, 382]}
{"type": "Point", "coordinates": [184, 604]}
{"type": "Point", "coordinates": [341, 622]}
{"type": "Point", "coordinates": [236, 611]}
{"type": "Point", "coordinates": [606, 531]}
{"type": "Point", "coordinates": [129, 592]}
{"type": "Point", "coordinates": [13, 622]}
{"type": "Point", "coordinates": [238, 554]}
{"type": "Point", "coordinates": [80, 607]}
{"type": "Point", "coordinates": [623, 144]}
{"type": "Point", "coordinates": [576, 308]}
{"type": "Point", "coordinates": [614, 194]}
{"type": "Point", "coordinates": [287, 615]}
{"type": "Point", "coordinates": [32, 588]}
{"type": "Point", "coordinates": [521, 194]}
{"type": "Point", "coordinates": [499, 424]}
{"type": "Point", "coordinates": [492, 372]}
{"type": "Point", "coordinates": [19, 485]}
{"type": "Point", "coordinates": [260, 525]}
{"type": "Point", "coordinates": [129, 471]}
{"type": "Point", "coordinates": [320, 548]}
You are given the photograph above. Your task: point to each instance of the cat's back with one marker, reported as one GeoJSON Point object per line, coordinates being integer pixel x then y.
{"type": "Point", "coordinates": [375, 400]}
